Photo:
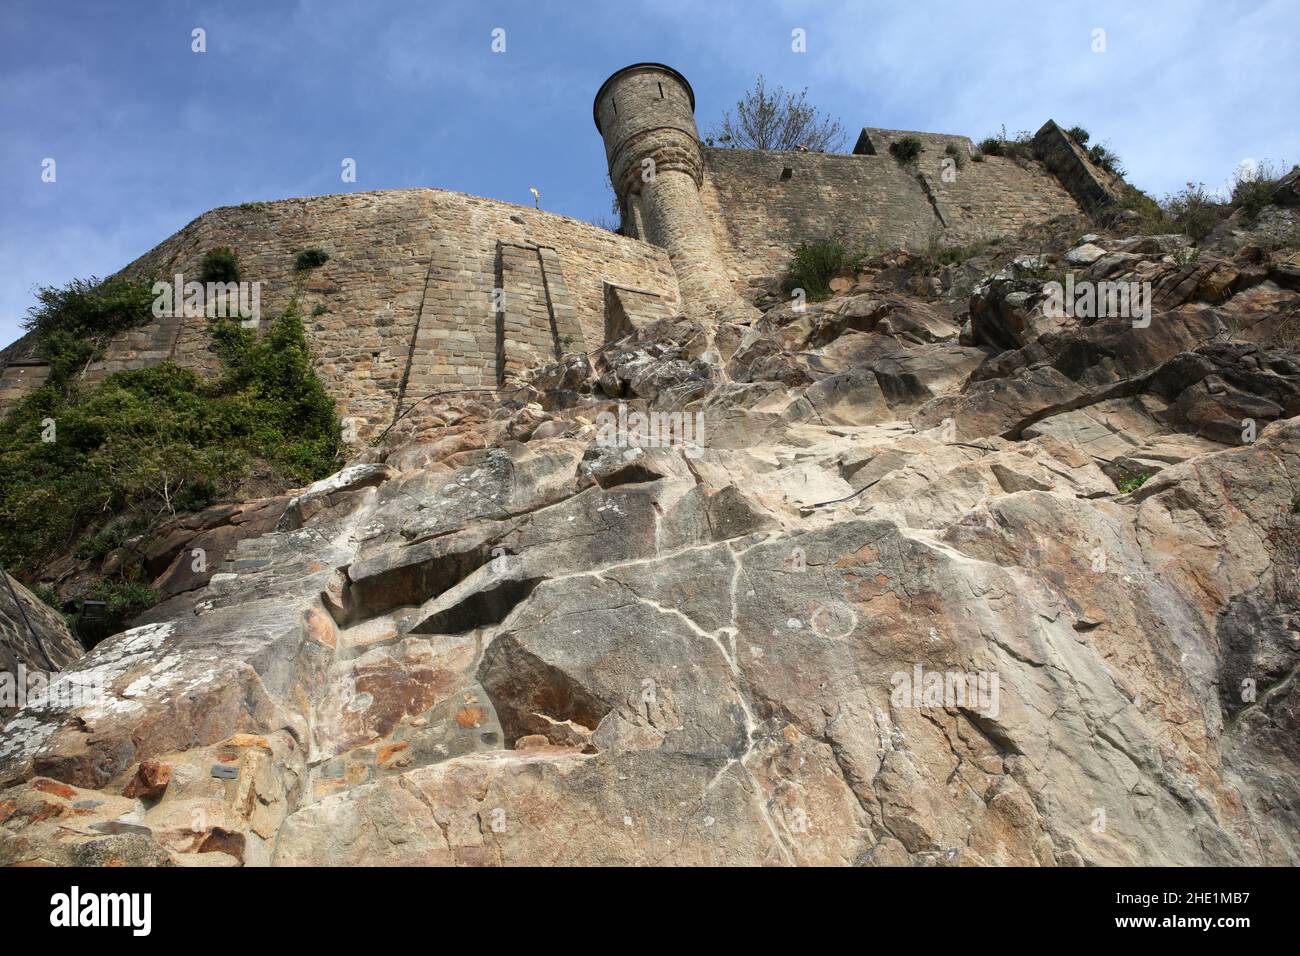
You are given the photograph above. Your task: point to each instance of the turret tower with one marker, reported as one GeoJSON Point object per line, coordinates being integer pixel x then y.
{"type": "Point", "coordinates": [646, 114]}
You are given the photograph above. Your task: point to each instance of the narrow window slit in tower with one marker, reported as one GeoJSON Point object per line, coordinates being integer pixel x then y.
{"type": "Point", "coordinates": [661, 91]}
{"type": "Point", "coordinates": [613, 102]}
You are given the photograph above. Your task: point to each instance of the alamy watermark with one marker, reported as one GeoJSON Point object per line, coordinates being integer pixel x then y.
{"type": "Point", "coordinates": [651, 430]}
{"type": "Point", "coordinates": [1099, 300]}
{"type": "Point", "coordinates": [38, 690]}
{"type": "Point", "coordinates": [974, 690]}
{"type": "Point", "coordinates": [75, 908]}
{"type": "Point", "coordinates": [216, 300]}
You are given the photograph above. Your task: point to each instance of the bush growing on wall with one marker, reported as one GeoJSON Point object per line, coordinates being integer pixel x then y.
{"type": "Point", "coordinates": [906, 148]}
{"type": "Point", "coordinates": [312, 258]}
{"type": "Point", "coordinates": [219, 265]}
{"type": "Point", "coordinates": [1106, 159]}
{"type": "Point", "coordinates": [72, 324]}
{"type": "Point", "coordinates": [1012, 147]}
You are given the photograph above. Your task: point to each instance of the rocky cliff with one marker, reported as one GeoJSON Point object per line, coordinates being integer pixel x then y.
{"type": "Point", "coordinates": [34, 643]}
{"type": "Point", "coordinates": [926, 573]}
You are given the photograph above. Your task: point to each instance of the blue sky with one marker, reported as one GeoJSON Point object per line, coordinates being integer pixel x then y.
{"type": "Point", "coordinates": [147, 134]}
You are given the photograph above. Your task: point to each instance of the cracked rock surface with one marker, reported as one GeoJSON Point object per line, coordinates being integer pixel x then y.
{"type": "Point", "coordinates": [939, 580]}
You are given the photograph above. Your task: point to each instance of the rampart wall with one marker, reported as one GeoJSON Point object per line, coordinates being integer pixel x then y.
{"type": "Point", "coordinates": [763, 203]}
{"type": "Point", "coordinates": [405, 304]}
{"type": "Point", "coordinates": [427, 290]}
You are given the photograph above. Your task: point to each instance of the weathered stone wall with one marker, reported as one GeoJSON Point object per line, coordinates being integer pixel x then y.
{"type": "Point", "coordinates": [142, 347]}
{"type": "Point", "coordinates": [525, 322]}
{"type": "Point", "coordinates": [760, 212]}
{"type": "Point", "coordinates": [404, 305]}
{"type": "Point", "coordinates": [19, 374]}
{"type": "Point", "coordinates": [764, 203]}
{"type": "Point", "coordinates": [996, 197]}
{"type": "Point", "coordinates": [20, 371]}
{"type": "Point", "coordinates": [629, 309]}
{"type": "Point", "coordinates": [1089, 184]}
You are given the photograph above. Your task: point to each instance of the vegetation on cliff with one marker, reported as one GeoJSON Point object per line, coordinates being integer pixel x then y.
{"type": "Point", "coordinates": [90, 467]}
{"type": "Point", "coordinates": [814, 265]}
{"type": "Point", "coordinates": [1195, 210]}
{"type": "Point", "coordinates": [72, 324]}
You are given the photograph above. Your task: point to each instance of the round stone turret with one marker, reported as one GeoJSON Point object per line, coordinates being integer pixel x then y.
{"type": "Point", "coordinates": [646, 114]}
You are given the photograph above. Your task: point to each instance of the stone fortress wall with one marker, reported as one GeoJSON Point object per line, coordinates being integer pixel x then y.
{"type": "Point", "coordinates": [757, 205]}
{"type": "Point", "coordinates": [759, 199]}
{"type": "Point", "coordinates": [646, 115]}
{"type": "Point", "coordinates": [406, 305]}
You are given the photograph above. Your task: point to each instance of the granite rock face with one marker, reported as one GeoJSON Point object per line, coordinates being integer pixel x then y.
{"type": "Point", "coordinates": [886, 592]}
{"type": "Point", "coordinates": [34, 640]}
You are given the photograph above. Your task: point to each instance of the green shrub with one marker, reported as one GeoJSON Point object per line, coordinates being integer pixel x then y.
{"type": "Point", "coordinates": [957, 154]}
{"type": "Point", "coordinates": [1252, 189]}
{"type": "Point", "coordinates": [1150, 218]}
{"type": "Point", "coordinates": [72, 324]}
{"type": "Point", "coordinates": [219, 265]}
{"type": "Point", "coordinates": [123, 598]}
{"type": "Point", "coordinates": [112, 536]}
{"type": "Point", "coordinates": [197, 494]}
{"type": "Point", "coordinates": [813, 266]}
{"type": "Point", "coordinates": [312, 258]}
{"type": "Point", "coordinates": [906, 149]}
{"type": "Point", "coordinates": [47, 595]}
{"type": "Point", "coordinates": [1193, 211]}
{"type": "Point", "coordinates": [143, 444]}
{"type": "Point", "coordinates": [1106, 159]}
{"type": "Point", "coordinates": [1132, 483]}
{"type": "Point", "coordinates": [1012, 147]}
{"type": "Point", "coordinates": [1078, 134]}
